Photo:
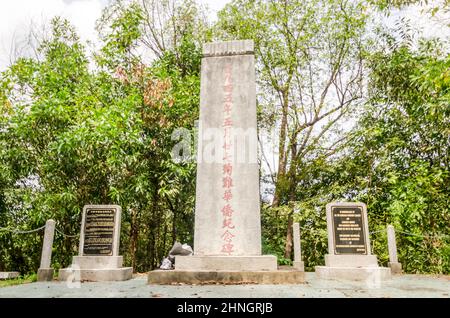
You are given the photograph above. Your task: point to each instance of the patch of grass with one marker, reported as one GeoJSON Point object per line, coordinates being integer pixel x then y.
{"type": "Point", "coordinates": [18, 281]}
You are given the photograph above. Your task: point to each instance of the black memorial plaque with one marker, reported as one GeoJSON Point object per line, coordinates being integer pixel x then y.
{"type": "Point", "coordinates": [99, 231]}
{"type": "Point", "coordinates": [349, 230]}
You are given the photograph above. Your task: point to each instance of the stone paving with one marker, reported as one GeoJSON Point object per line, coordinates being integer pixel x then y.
{"type": "Point", "coordinates": [400, 286]}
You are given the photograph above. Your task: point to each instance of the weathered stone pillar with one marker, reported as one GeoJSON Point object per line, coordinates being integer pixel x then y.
{"type": "Point", "coordinates": [227, 212]}
{"type": "Point", "coordinates": [227, 237]}
{"type": "Point", "coordinates": [298, 263]}
{"type": "Point", "coordinates": [396, 267]}
{"type": "Point", "coordinates": [45, 271]}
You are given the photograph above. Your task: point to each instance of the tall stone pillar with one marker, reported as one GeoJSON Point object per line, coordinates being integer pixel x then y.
{"type": "Point", "coordinates": [227, 214]}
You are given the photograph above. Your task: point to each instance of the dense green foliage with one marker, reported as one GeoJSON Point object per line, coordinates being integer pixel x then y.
{"type": "Point", "coordinates": [396, 161]}
{"type": "Point", "coordinates": [99, 136]}
{"type": "Point", "coordinates": [79, 128]}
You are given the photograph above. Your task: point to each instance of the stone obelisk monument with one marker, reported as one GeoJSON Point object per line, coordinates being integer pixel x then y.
{"type": "Point", "coordinates": [227, 216]}
{"type": "Point", "coordinates": [227, 237]}
{"type": "Point", "coordinates": [227, 213]}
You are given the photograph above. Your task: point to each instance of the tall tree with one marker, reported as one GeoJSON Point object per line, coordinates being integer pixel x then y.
{"type": "Point", "coordinates": [310, 66]}
{"type": "Point", "coordinates": [74, 134]}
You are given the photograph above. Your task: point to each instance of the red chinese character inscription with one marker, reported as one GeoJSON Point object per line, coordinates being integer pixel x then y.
{"type": "Point", "coordinates": [227, 173]}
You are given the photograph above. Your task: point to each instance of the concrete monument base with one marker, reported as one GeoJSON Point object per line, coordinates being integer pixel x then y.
{"type": "Point", "coordinates": [226, 263]}
{"type": "Point", "coordinates": [260, 269]}
{"type": "Point", "coordinates": [98, 261]}
{"type": "Point", "coordinates": [396, 268]}
{"type": "Point", "coordinates": [282, 276]}
{"type": "Point", "coordinates": [96, 269]}
{"type": "Point", "coordinates": [45, 274]}
{"type": "Point", "coordinates": [353, 273]}
{"type": "Point", "coordinates": [352, 260]}
{"type": "Point", "coordinates": [352, 267]}
{"type": "Point", "coordinates": [299, 265]}
{"type": "Point", "coordinates": [96, 275]}
{"type": "Point", "coordinates": [9, 275]}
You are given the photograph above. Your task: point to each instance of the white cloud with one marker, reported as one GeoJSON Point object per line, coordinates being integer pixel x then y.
{"type": "Point", "coordinates": [16, 17]}
{"type": "Point", "coordinates": [214, 5]}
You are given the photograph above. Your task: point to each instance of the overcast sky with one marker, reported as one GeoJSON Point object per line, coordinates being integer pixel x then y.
{"type": "Point", "coordinates": [16, 16]}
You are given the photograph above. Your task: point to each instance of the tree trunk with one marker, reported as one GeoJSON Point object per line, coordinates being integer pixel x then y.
{"type": "Point", "coordinates": [289, 237]}
{"type": "Point", "coordinates": [282, 151]}
{"type": "Point", "coordinates": [134, 237]}
{"type": "Point", "coordinates": [174, 227]}
{"type": "Point", "coordinates": [164, 249]}
{"type": "Point", "coordinates": [291, 177]}
{"type": "Point", "coordinates": [153, 228]}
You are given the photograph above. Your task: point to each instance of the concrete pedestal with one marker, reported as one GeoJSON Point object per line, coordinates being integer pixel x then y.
{"type": "Point", "coordinates": [396, 268]}
{"type": "Point", "coordinates": [96, 269]}
{"type": "Point", "coordinates": [260, 269]}
{"type": "Point", "coordinates": [282, 276]}
{"type": "Point", "coordinates": [351, 260]}
{"type": "Point", "coordinates": [45, 274]}
{"type": "Point", "coordinates": [299, 265]}
{"type": "Point", "coordinates": [352, 267]}
{"type": "Point", "coordinates": [226, 263]}
{"type": "Point", "coordinates": [353, 273]}
{"type": "Point", "coordinates": [9, 275]}
{"type": "Point", "coordinates": [97, 275]}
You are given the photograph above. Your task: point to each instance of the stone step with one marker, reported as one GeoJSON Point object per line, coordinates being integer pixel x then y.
{"type": "Point", "coordinates": [95, 275]}
{"type": "Point", "coordinates": [169, 277]}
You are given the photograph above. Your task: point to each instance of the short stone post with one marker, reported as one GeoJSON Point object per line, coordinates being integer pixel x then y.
{"type": "Point", "coordinates": [396, 267]}
{"type": "Point", "coordinates": [298, 263]}
{"type": "Point", "coordinates": [45, 271]}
